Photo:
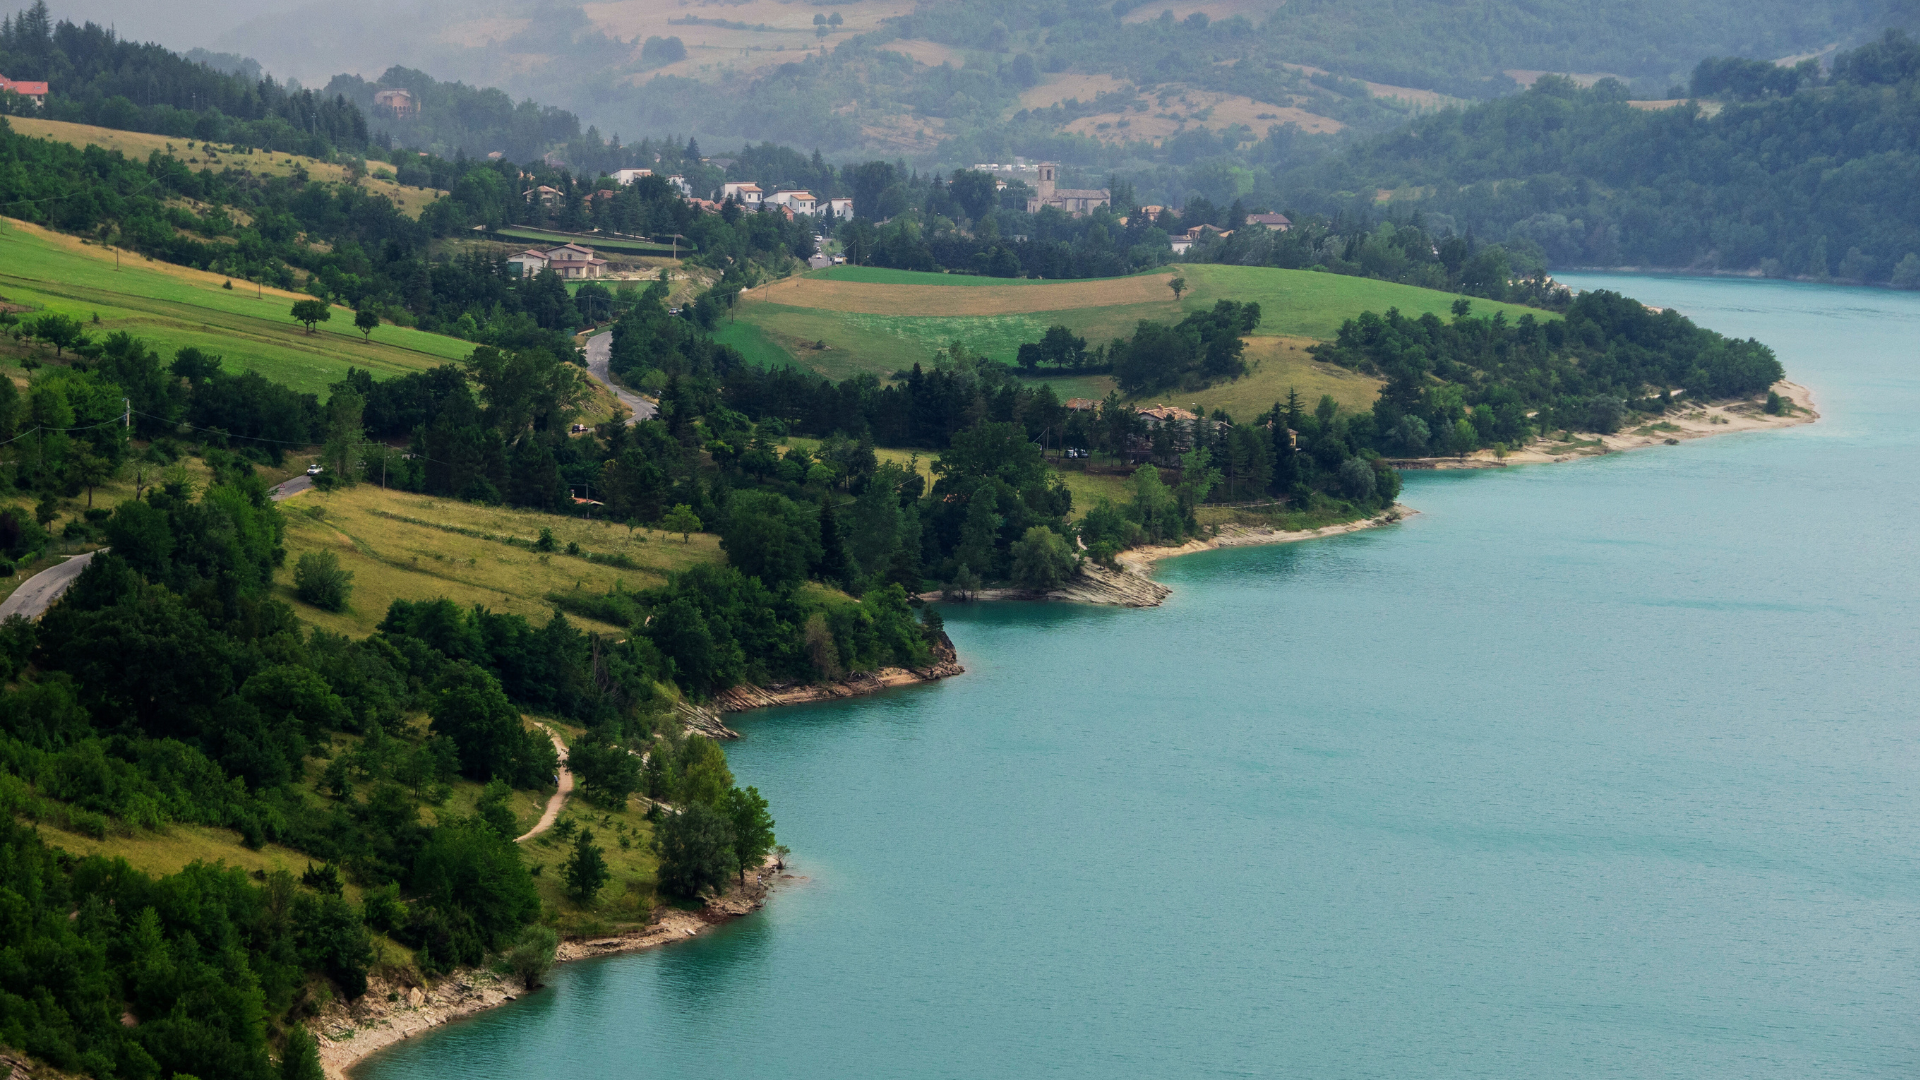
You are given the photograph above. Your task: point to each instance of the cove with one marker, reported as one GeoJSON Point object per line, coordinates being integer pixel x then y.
{"type": "Point", "coordinates": [1596, 769]}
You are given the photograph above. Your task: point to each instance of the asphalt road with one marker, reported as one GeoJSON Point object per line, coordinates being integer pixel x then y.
{"type": "Point", "coordinates": [36, 594]}
{"type": "Point", "coordinates": [289, 488]}
{"type": "Point", "coordinates": [599, 351]}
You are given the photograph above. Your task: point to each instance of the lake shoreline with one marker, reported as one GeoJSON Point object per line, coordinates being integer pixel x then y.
{"type": "Point", "coordinates": [350, 1034]}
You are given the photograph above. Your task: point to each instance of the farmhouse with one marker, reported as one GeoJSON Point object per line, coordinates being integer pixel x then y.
{"type": "Point", "coordinates": [35, 90]}
{"type": "Point", "coordinates": [1276, 222]}
{"type": "Point", "coordinates": [626, 177]}
{"type": "Point", "coordinates": [747, 195]}
{"type": "Point", "coordinates": [397, 102]}
{"type": "Point", "coordinates": [1072, 200]}
{"type": "Point", "coordinates": [574, 262]}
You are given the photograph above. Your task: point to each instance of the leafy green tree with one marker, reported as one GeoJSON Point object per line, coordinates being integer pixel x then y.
{"type": "Point", "coordinates": [311, 312]}
{"type": "Point", "coordinates": [318, 580]}
{"type": "Point", "coordinates": [752, 827]}
{"type": "Point", "coordinates": [469, 707]}
{"type": "Point", "coordinates": [770, 537]}
{"type": "Point", "coordinates": [1041, 560]}
{"type": "Point", "coordinates": [585, 870]}
{"type": "Point", "coordinates": [1178, 285]}
{"type": "Point", "coordinates": [494, 807]}
{"type": "Point", "coordinates": [366, 320]}
{"type": "Point", "coordinates": [60, 331]}
{"type": "Point", "coordinates": [681, 519]}
{"type": "Point", "coordinates": [606, 770]}
{"type": "Point", "coordinates": [696, 851]}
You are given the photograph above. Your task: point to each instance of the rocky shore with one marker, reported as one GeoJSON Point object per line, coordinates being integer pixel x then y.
{"type": "Point", "coordinates": [946, 663]}
{"type": "Point", "coordinates": [392, 1012]}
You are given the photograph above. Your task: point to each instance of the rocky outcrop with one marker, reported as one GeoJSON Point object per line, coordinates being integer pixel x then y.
{"type": "Point", "coordinates": [701, 720]}
{"type": "Point", "coordinates": [946, 663]}
{"type": "Point", "coordinates": [1095, 584]}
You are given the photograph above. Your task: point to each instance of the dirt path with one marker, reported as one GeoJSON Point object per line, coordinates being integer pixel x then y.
{"type": "Point", "coordinates": [559, 798]}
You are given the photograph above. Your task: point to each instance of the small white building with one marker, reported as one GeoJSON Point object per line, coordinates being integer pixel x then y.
{"type": "Point", "coordinates": [528, 263]}
{"type": "Point", "coordinates": [686, 189]}
{"type": "Point", "coordinates": [626, 177]}
{"type": "Point", "coordinates": [746, 194]}
{"type": "Point", "coordinates": [800, 202]}
{"type": "Point", "coordinates": [842, 209]}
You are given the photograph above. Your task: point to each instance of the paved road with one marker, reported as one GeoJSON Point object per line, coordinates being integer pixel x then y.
{"type": "Point", "coordinates": [289, 488]}
{"type": "Point", "coordinates": [36, 594]}
{"type": "Point", "coordinates": [559, 798]}
{"type": "Point", "coordinates": [599, 351]}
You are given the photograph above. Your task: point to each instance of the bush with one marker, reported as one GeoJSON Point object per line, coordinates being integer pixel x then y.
{"type": "Point", "coordinates": [318, 580]}
{"type": "Point", "coordinates": [532, 955]}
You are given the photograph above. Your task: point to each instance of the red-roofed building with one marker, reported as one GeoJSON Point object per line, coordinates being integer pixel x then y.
{"type": "Point", "coordinates": [35, 90]}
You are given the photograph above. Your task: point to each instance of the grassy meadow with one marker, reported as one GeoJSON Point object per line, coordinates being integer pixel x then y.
{"type": "Point", "coordinates": [846, 320]}
{"type": "Point", "coordinates": [139, 146]}
{"type": "Point", "coordinates": [175, 306]}
{"type": "Point", "coordinates": [401, 546]}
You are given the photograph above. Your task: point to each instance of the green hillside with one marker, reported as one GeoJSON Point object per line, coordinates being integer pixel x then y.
{"type": "Point", "coordinates": [828, 322]}
{"type": "Point", "coordinates": [172, 306]}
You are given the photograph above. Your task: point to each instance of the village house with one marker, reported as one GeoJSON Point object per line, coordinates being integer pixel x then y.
{"type": "Point", "coordinates": [1276, 222]}
{"type": "Point", "coordinates": [626, 177]}
{"type": "Point", "coordinates": [800, 202]}
{"type": "Point", "coordinates": [527, 263]}
{"type": "Point", "coordinates": [34, 90]}
{"type": "Point", "coordinates": [575, 263]}
{"type": "Point", "coordinates": [746, 194]}
{"type": "Point", "coordinates": [1072, 200]}
{"type": "Point", "coordinates": [686, 189]}
{"type": "Point", "coordinates": [842, 209]}
{"type": "Point", "coordinates": [548, 196]}
{"type": "Point", "coordinates": [571, 262]}
{"type": "Point", "coordinates": [397, 102]}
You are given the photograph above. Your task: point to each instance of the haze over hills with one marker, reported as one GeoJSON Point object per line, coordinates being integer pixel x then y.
{"type": "Point", "coordinates": [950, 81]}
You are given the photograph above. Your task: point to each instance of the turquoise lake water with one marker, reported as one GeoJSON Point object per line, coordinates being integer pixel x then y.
{"type": "Point", "coordinates": [1602, 769]}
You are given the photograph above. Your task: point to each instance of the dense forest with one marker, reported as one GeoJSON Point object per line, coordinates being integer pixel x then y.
{"type": "Point", "coordinates": [1781, 171]}
{"type": "Point", "coordinates": [100, 79]}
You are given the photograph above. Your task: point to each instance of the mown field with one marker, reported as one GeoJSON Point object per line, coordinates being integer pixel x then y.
{"type": "Point", "coordinates": [175, 306]}
{"type": "Point", "coordinates": [847, 320]}
{"type": "Point", "coordinates": [139, 145]}
{"type": "Point", "coordinates": [401, 546]}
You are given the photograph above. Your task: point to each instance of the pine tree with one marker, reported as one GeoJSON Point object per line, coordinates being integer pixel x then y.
{"type": "Point", "coordinates": [586, 869]}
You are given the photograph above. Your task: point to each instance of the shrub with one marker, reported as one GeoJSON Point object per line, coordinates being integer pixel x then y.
{"type": "Point", "coordinates": [532, 955]}
{"type": "Point", "coordinates": [318, 580]}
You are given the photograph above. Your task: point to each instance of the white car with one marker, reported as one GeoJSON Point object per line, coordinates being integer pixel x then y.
{"type": "Point", "coordinates": [313, 470]}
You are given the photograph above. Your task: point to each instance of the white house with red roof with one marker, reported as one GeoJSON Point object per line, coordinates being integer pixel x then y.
{"type": "Point", "coordinates": [35, 90]}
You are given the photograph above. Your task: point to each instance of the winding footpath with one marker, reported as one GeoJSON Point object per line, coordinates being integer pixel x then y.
{"type": "Point", "coordinates": [559, 798]}
{"type": "Point", "coordinates": [599, 353]}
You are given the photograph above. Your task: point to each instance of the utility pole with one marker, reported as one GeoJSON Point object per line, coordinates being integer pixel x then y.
{"type": "Point", "coordinates": [126, 415]}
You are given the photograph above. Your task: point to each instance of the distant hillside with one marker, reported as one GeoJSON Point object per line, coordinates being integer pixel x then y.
{"type": "Point", "coordinates": [966, 80]}
{"type": "Point", "coordinates": [1787, 172]}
